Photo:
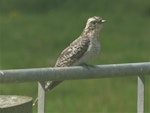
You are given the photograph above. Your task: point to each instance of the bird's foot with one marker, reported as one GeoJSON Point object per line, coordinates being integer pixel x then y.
{"type": "Point", "coordinates": [87, 65]}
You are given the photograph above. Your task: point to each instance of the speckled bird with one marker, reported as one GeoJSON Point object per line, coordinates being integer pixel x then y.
{"type": "Point", "coordinates": [81, 50]}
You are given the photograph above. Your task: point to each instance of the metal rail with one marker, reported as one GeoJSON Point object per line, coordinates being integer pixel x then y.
{"type": "Point", "coordinates": [79, 72]}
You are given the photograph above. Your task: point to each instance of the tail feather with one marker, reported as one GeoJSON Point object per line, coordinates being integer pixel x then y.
{"type": "Point", "coordinates": [51, 84]}
{"type": "Point", "coordinates": [48, 86]}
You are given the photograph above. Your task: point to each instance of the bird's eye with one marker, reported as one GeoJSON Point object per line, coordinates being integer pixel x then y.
{"type": "Point", "coordinates": [94, 22]}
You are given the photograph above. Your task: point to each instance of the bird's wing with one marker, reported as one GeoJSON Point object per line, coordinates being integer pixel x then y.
{"type": "Point", "coordinates": [73, 52]}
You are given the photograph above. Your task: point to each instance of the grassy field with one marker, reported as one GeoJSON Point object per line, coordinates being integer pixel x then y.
{"type": "Point", "coordinates": [30, 40]}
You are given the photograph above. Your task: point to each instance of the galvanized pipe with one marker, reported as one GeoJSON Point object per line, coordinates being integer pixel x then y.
{"type": "Point", "coordinates": [76, 72]}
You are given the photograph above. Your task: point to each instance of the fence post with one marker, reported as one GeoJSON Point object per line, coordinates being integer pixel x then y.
{"type": "Point", "coordinates": [140, 94]}
{"type": "Point", "coordinates": [41, 97]}
{"type": "Point", "coordinates": [15, 104]}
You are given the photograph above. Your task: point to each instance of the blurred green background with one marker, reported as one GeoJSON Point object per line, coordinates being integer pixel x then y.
{"type": "Point", "coordinates": [34, 32]}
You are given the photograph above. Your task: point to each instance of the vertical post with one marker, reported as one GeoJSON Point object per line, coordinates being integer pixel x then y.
{"type": "Point", "coordinates": [41, 97]}
{"type": "Point", "coordinates": [140, 95]}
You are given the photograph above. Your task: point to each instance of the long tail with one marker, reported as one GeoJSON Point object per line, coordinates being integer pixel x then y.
{"type": "Point", "coordinates": [51, 84]}
{"type": "Point", "coordinates": [48, 86]}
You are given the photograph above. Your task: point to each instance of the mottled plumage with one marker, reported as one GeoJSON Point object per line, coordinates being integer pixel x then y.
{"type": "Point", "coordinates": [73, 53]}
{"type": "Point", "coordinates": [85, 47]}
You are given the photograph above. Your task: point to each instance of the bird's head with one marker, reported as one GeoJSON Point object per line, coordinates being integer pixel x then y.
{"type": "Point", "coordinates": [95, 23]}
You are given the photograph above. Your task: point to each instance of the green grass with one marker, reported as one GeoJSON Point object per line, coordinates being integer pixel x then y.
{"type": "Point", "coordinates": [36, 40]}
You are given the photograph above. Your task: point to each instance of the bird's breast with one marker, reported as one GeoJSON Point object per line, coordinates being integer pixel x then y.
{"type": "Point", "coordinates": [94, 48]}
{"type": "Point", "coordinates": [92, 51]}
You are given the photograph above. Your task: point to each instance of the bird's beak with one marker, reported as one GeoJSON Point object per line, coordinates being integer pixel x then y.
{"type": "Point", "coordinates": [103, 21]}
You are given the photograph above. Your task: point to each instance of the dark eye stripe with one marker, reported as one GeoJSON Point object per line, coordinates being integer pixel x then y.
{"type": "Point", "coordinates": [94, 22]}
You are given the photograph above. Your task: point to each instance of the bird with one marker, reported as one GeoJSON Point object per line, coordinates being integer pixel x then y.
{"type": "Point", "coordinates": [81, 50]}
